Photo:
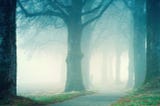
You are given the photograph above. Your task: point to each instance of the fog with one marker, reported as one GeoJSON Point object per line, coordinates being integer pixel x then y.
{"type": "Point", "coordinates": [41, 60]}
{"type": "Point", "coordinates": [42, 52]}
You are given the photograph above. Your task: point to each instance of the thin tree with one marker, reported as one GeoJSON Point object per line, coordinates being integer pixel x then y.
{"type": "Point", "coordinates": [153, 40]}
{"type": "Point", "coordinates": [137, 8]}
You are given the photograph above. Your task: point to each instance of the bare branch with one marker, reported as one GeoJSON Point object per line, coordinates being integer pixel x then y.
{"type": "Point", "coordinates": [59, 6]}
{"type": "Point", "coordinates": [93, 10]}
{"type": "Point", "coordinates": [45, 13]}
{"type": "Point", "coordinates": [99, 14]}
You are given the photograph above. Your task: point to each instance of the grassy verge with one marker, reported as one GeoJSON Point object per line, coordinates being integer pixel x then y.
{"type": "Point", "coordinates": [44, 99]}
{"type": "Point", "coordinates": [59, 97]}
{"type": "Point", "coordinates": [139, 99]}
{"type": "Point", "coordinates": [148, 95]}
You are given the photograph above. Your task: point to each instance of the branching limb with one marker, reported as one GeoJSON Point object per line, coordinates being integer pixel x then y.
{"type": "Point", "coordinates": [99, 14]}
{"type": "Point", "coordinates": [93, 10]}
{"type": "Point", "coordinates": [43, 13]}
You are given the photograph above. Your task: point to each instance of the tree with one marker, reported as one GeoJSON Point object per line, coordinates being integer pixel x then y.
{"type": "Point", "coordinates": [86, 45]}
{"type": "Point", "coordinates": [72, 12]}
{"type": "Point", "coordinates": [7, 48]}
{"type": "Point", "coordinates": [118, 65]}
{"type": "Point", "coordinates": [153, 40]}
{"type": "Point", "coordinates": [138, 10]}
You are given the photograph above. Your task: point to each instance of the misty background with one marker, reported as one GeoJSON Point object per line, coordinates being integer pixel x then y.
{"type": "Point", "coordinates": [42, 51]}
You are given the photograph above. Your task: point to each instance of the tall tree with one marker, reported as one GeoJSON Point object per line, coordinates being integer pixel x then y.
{"type": "Point", "coordinates": [137, 8]}
{"type": "Point", "coordinates": [130, 82]}
{"type": "Point", "coordinates": [7, 48]}
{"type": "Point", "coordinates": [72, 12]}
{"type": "Point", "coordinates": [153, 40]}
{"type": "Point", "coordinates": [86, 45]}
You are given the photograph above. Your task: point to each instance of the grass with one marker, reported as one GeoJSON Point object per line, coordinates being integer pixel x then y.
{"type": "Point", "coordinates": [59, 97]}
{"type": "Point", "coordinates": [43, 99]}
{"type": "Point", "coordinates": [148, 95]}
{"type": "Point", "coordinates": [139, 99]}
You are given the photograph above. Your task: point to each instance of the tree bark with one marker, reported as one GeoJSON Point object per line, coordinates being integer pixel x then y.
{"type": "Point", "coordinates": [7, 48]}
{"type": "Point", "coordinates": [153, 40]}
{"type": "Point", "coordinates": [74, 72]}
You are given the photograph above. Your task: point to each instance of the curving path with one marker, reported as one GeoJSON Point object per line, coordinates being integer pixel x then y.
{"type": "Point", "coordinates": [92, 100]}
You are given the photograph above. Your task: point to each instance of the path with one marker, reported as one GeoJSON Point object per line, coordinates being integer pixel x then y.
{"type": "Point", "coordinates": [91, 100]}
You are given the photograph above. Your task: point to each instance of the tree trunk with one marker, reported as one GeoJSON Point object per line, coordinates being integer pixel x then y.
{"type": "Point", "coordinates": [74, 73]}
{"type": "Point", "coordinates": [118, 62]}
{"type": "Point", "coordinates": [86, 46]}
{"type": "Point", "coordinates": [7, 48]}
{"type": "Point", "coordinates": [86, 68]}
{"type": "Point", "coordinates": [130, 82]}
{"type": "Point", "coordinates": [139, 43]}
{"type": "Point", "coordinates": [104, 67]}
{"type": "Point", "coordinates": [153, 40]}
{"type": "Point", "coordinates": [109, 68]}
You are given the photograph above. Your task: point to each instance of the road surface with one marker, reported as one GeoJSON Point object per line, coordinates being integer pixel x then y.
{"type": "Point", "coordinates": [91, 100]}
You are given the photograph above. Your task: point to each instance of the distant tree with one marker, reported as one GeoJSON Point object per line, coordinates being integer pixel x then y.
{"type": "Point", "coordinates": [153, 40]}
{"type": "Point", "coordinates": [72, 13]}
{"type": "Point", "coordinates": [7, 48]}
{"type": "Point", "coordinates": [86, 44]}
{"type": "Point", "coordinates": [137, 8]}
{"type": "Point", "coordinates": [118, 65]}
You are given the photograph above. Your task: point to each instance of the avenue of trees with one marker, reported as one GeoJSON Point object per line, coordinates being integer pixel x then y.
{"type": "Point", "coordinates": [79, 17]}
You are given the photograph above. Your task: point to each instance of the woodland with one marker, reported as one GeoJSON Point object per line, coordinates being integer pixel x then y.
{"type": "Point", "coordinates": [53, 51]}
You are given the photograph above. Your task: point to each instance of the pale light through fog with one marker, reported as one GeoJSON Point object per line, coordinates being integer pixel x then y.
{"type": "Point", "coordinates": [43, 68]}
{"type": "Point", "coordinates": [42, 54]}
{"type": "Point", "coordinates": [96, 72]}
